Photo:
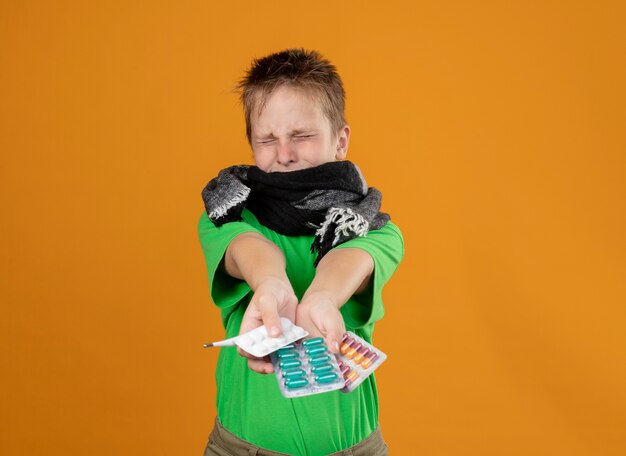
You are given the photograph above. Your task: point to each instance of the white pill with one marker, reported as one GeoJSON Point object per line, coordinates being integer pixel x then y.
{"type": "Point", "coordinates": [270, 344]}
{"type": "Point", "coordinates": [246, 339]}
{"type": "Point", "coordinates": [280, 340]}
{"type": "Point", "coordinates": [287, 324]}
{"type": "Point", "coordinates": [257, 336]}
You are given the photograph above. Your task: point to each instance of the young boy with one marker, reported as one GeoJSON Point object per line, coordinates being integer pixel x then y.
{"type": "Point", "coordinates": [301, 236]}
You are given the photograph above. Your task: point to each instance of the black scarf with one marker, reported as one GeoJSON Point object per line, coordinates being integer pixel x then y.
{"type": "Point", "coordinates": [331, 201]}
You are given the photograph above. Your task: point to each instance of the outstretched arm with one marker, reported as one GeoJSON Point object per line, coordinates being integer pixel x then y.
{"type": "Point", "coordinates": [339, 275]}
{"type": "Point", "coordinates": [258, 261]}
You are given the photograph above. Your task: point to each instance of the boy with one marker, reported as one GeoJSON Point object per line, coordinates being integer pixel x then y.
{"type": "Point", "coordinates": [300, 236]}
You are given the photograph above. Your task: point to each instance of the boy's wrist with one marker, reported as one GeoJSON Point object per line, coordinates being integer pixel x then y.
{"type": "Point", "coordinates": [313, 296]}
{"type": "Point", "coordinates": [341, 274]}
{"type": "Point", "coordinates": [268, 279]}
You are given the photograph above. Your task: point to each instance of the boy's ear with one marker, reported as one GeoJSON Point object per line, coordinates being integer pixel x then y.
{"type": "Point", "coordinates": [343, 138]}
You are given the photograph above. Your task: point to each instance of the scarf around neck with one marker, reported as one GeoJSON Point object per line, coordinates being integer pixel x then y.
{"type": "Point", "coordinates": [331, 201]}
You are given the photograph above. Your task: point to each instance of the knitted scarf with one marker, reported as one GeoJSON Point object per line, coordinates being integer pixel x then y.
{"type": "Point", "coordinates": [330, 200]}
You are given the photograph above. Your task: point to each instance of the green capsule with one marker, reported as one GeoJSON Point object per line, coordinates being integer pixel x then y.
{"type": "Point", "coordinates": [293, 383]}
{"type": "Point", "coordinates": [322, 369]}
{"type": "Point", "coordinates": [314, 341]}
{"type": "Point", "coordinates": [326, 378]}
{"type": "Point", "coordinates": [319, 360]}
{"type": "Point", "coordinates": [294, 373]}
{"type": "Point", "coordinates": [287, 349]}
{"type": "Point", "coordinates": [290, 363]}
{"type": "Point", "coordinates": [315, 350]}
{"type": "Point", "coordinates": [286, 356]}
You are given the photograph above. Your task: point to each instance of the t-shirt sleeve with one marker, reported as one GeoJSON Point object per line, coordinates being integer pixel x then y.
{"type": "Point", "coordinates": [386, 247]}
{"type": "Point", "coordinates": [225, 290]}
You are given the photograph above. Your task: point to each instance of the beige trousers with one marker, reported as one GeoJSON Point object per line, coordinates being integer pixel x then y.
{"type": "Point", "coordinates": [224, 443]}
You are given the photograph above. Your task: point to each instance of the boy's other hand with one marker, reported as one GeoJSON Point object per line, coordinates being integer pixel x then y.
{"type": "Point", "coordinates": [320, 316]}
{"type": "Point", "coordinates": [273, 298]}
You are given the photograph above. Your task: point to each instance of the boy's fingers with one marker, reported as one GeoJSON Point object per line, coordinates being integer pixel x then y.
{"type": "Point", "coordinates": [289, 311]}
{"type": "Point", "coordinates": [260, 366]}
{"type": "Point", "coordinates": [248, 325]}
{"type": "Point", "coordinates": [269, 314]}
{"type": "Point", "coordinates": [334, 334]}
{"type": "Point", "coordinates": [251, 318]}
{"type": "Point", "coordinates": [245, 354]}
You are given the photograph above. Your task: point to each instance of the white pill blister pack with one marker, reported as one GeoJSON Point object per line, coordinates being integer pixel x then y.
{"type": "Point", "coordinates": [258, 343]}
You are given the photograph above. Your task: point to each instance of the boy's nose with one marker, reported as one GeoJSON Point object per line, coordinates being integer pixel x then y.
{"type": "Point", "coordinates": [286, 153]}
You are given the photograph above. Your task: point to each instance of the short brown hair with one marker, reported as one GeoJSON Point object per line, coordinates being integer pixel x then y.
{"type": "Point", "coordinates": [297, 68]}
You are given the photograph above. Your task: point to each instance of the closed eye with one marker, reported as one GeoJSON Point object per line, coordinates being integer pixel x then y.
{"type": "Point", "coordinates": [268, 141]}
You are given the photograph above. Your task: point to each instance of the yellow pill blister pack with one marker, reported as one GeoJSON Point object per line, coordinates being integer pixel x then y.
{"type": "Point", "coordinates": [357, 359]}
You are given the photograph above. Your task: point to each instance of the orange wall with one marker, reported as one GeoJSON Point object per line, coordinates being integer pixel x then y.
{"type": "Point", "coordinates": [494, 129]}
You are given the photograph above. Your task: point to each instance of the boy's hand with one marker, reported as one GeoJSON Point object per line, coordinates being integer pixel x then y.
{"type": "Point", "coordinates": [273, 298]}
{"type": "Point", "coordinates": [320, 316]}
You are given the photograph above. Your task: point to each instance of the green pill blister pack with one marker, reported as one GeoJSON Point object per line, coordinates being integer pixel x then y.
{"type": "Point", "coordinates": [306, 367]}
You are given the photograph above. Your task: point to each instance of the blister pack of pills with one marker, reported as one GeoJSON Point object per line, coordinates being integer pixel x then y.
{"type": "Point", "coordinates": [357, 359]}
{"type": "Point", "coordinates": [258, 343]}
{"type": "Point", "coordinates": [306, 367]}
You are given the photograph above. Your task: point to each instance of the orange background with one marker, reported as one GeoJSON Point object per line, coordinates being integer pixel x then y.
{"type": "Point", "coordinates": [495, 131]}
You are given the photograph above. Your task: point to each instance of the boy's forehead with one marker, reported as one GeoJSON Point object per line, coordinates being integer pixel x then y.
{"type": "Point", "coordinates": [310, 95]}
{"type": "Point", "coordinates": [294, 123]}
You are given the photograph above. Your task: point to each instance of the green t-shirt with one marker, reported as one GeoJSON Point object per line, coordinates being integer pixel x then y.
{"type": "Point", "coordinates": [249, 404]}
